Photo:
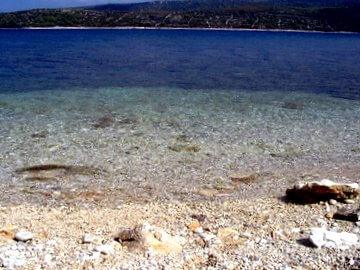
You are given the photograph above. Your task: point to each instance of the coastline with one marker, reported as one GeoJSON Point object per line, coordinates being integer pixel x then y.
{"type": "Point", "coordinates": [181, 28]}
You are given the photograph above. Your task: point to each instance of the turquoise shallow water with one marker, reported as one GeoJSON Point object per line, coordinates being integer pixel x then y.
{"type": "Point", "coordinates": [144, 115]}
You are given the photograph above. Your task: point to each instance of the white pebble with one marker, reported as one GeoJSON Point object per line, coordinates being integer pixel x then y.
{"type": "Point", "coordinates": [246, 235]}
{"type": "Point", "coordinates": [332, 202]}
{"type": "Point", "coordinates": [348, 201]}
{"type": "Point", "coordinates": [47, 258]}
{"type": "Point", "coordinates": [104, 249]}
{"type": "Point", "coordinates": [23, 236]}
{"type": "Point", "coordinates": [87, 239]}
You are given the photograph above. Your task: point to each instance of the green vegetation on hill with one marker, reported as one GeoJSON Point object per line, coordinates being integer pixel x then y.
{"type": "Point", "coordinates": [339, 16]}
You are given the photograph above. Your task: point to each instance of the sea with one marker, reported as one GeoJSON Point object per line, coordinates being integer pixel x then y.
{"type": "Point", "coordinates": [91, 116]}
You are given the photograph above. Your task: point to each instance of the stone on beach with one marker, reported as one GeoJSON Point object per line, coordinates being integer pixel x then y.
{"type": "Point", "coordinates": [348, 214]}
{"type": "Point", "coordinates": [23, 236]}
{"type": "Point", "coordinates": [230, 237]}
{"type": "Point", "coordinates": [145, 237]}
{"type": "Point", "coordinates": [324, 190]}
{"type": "Point", "coordinates": [320, 237]}
{"type": "Point", "coordinates": [104, 249]}
{"type": "Point", "coordinates": [87, 239]}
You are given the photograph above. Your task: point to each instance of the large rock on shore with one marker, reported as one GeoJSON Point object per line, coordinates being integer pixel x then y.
{"type": "Point", "coordinates": [324, 190]}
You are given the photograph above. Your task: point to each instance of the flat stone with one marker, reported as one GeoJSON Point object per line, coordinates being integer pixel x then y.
{"type": "Point", "coordinates": [324, 190]}
{"type": "Point", "coordinates": [23, 236]}
{"type": "Point", "coordinates": [320, 237]}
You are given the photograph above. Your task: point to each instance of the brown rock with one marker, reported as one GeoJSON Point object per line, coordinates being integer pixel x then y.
{"type": "Point", "coordinates": [103, 122]}
{"type": "Point", "coordinates": [324, 190]}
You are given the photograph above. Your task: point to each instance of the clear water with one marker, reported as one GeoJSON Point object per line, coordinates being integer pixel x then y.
{"type": "Point", "coordinates": [171, 114]}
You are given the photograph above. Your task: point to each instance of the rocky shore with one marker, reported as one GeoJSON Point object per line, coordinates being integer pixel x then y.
{"type": "Point", "coordinates": [215, 234]}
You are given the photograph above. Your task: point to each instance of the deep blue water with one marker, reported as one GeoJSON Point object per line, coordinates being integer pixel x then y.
{"type": "Point", "coordinates": [244, 60]}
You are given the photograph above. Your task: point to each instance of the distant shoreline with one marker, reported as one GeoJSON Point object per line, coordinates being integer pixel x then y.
{"type": "Point", "coordinates": [180, 28]}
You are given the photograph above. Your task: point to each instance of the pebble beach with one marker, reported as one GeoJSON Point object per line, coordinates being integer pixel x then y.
{"type": "Point", "coordinates": [89, 165]}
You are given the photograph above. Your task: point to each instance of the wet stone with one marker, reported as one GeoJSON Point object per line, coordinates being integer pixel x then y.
{"type": "Point", "coordinates": [238, 178]}
{"type": "Point", "coordinates": [185, 148]}
{"type": "Point", "coordinates": [40, 135]}
{"type": "Point", "coordinates": [293, 106]}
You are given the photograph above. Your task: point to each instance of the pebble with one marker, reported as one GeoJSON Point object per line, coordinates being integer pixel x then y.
{"type": "Point", "coordinates": [349, 201]}
{"type": "Point", "coordinates": [23, 236]}
{"type": "Point", "coordinates": [245, 235]}
{"type": "Point", "coordinates": [357, 223]}
{"type": "Point", "coordinates": [47, 258]}
{"type": "Point", "coordinates": [104, 249]}
{"type": "Point", "coordinates": [12, 262]}
{"type": "Point", "coordinates": [332, 202]}
{"type": "Point", "coordinates": [87, 239]}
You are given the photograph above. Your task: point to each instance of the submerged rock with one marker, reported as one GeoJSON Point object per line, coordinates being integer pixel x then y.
{"type": "Point", "coordinates": [147, 238]}
{"type": "Point", "coordinates": [40, 135]}
{"type": "Point", "coordinates": [239, 178]}
{"type": "Point", "coordinates": [103, 122]}
{"type": "Point", "coordinates": [320, 237]}
{"type": "Point", "coordinates": [323, 190]}
{"type": "Point", "coordinates": [288, 151]}
{"type": "Point", "coordinates": [293, 106]}
{"type": "Point", "coordinates": [48, 172]}
{"type": "Point", "coordinates": [185, 148]}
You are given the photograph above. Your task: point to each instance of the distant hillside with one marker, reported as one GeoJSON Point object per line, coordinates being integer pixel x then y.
{"type": "Point", "coordinates": [193, 5]}
{"type": "Point", "coordinates": [318, 15]}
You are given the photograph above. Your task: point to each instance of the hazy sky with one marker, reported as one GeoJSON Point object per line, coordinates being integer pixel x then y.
{"type": "Point", "coordinates": [12, 5]}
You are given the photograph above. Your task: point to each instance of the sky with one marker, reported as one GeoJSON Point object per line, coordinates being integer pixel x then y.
{"type": "Point", "coordinates": [14, 5]}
